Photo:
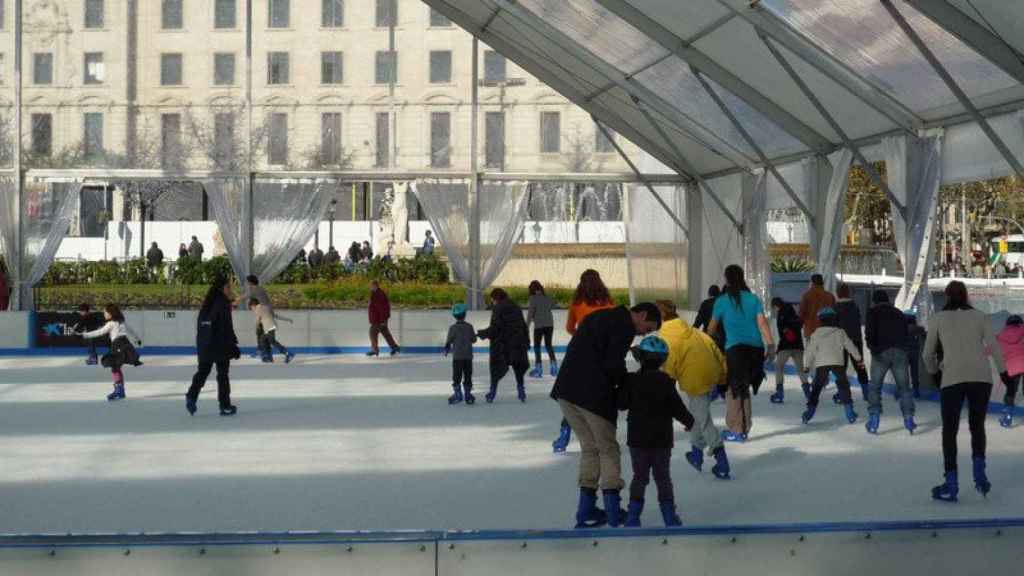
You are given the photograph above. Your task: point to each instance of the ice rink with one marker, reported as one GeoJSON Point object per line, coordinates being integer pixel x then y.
{"type": "Point", "coordinates": [344, 442]}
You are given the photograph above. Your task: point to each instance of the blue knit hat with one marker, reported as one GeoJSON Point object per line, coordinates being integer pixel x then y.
{"type": "Point", "coordinates": [826, 311]}
{"type": "Point", "coordinates": [459, 309]}
{"type": "Point", "coordinates": [654, 345]}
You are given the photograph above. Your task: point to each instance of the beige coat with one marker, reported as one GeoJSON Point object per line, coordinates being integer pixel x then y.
{"type": "Point", "coordinates": [825, 347]}
{"type": "Point", "coordinates": [968, 342]}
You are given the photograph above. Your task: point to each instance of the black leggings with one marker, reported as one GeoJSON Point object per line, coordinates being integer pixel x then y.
{"type": "Point", "coordinates": [223, 383]}
{"type": "Point", "coordinates": [645, 461]}
{"type": "Point", "coordinates": [546, 334]}
{"type": "Point", "coordinates": [1011, 390]}
{"type": "Point", "coordinates": [821, 380]}
{"type": "Point", "coordinates": [952, 400]}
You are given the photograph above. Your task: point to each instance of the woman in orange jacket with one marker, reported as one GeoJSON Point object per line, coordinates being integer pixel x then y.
{"type": "Point", "coordinates": [591, 295]}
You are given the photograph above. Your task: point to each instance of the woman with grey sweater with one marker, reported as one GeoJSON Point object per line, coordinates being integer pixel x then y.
{"type": "Point", "coordinates": [540, 313]}
{"type": "Point", "coordinates": [959, 344]}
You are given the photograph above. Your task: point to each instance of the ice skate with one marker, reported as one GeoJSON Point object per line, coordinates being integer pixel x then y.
{"type": "Point", "coordinates": [613, 508]}
{"type": "Point", "coordinates": [538, 371]}
{"type": "Point", "coordinates": [851, 416]}
{"type": "Point", "coordinates": [521, 393]}
{"type": "Point", "coordinates": [91, 361]}
{"type": "Point", "coordinates": [948, 491]}
{"type": "Point", "coordinates": [190, 405]}
{"type": "Point", "coordinates": [909, 424]}
{"type": "Point", "coordinates": [779, 397]}
{"type": "Point", "coordinates": [668, 513]}
{"type": "Point", "coordinates": [455, 398]}
{"type": "Point", "coordinates": [1006, 420]}
{"type": "Point", "coordinates": [981, 483]}
{"type": "Point", "coordinates": [873, 422]}
{"type": "Point", "coordinates": [396, 350]}
{"type": "Point", "coordinates": [730, 436]}
{"type": "Point", "coordinates": [468, 396]}
{"type": "Point", "coordinates": [228, 410]}
{"type": "Point", "coordinates": [636, 507]}
{"type": "Point", "coordinates": [117, 394]}
{"type": "Point", "coordinates": [808, 414]}
{"type": "Point", "coordinates": [588, 515]}
{"type": "Point", "coordinates": [561, 443]}
{"type": "Point", "coordinates": [491, 394]}
{"type": "Point", "coordinates": [288, 358]}
{"type": "Point", "coordinates": [721, 467]}
{"type": "Point", "coordinates": [695, 457]}
{"type": "Point", "coordinates": [373, 353]}
{"type": "Point", "coordinates": [553, 369]}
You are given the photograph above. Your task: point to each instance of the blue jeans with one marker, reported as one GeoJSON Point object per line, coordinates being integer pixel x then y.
{"type": "Point", "coordinates": [894, 360]}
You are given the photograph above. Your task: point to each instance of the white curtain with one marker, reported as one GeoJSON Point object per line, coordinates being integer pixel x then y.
{"type": "Point", "coordinates": [286, 215]}
{"type": "Point", "coordinates": [8, 223]}
{"type": "Point", "coordinates": [827, 229]}
{"type": "Point", "coordinates": [227, 201]}
{"type": "Point", "coordinates": [914, 173]}
{"type": "Point", "coordinates": [657, 249]}
{"type": "Point", "coordinates": [502, 214]}
{"type": "Point", "coordinates": [756, 264]}
{"type": "Point", "coordinates": [47, 214]}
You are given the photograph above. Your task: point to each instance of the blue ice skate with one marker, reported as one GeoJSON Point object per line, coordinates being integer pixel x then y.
{"type": "Point", "coordinates": [588, 515]}
{"type": "Point", "coordinates": [695, 457]}
{"type": "Point", "coordinates": [981, 483]}
{"type": "Point", "coordinates": [808, 414]}
{"type": "Point", "coordinates": [190, 405]}
{"type": "Point", "coordinates": [288, 358]}
{"type": "Point", "coordinates": [554, 368]}
{"type": "Point", "coordinates": [521, 393]}
{"type": "Point", "coordinates": [468, 395]}
{"type": "Point", "coordinates": [613, 508]}
{"type": "Point", "coordinates": [91, 361]}
{"type": "Point", "coordinates": [561, 443]}
{"type": "Point", "coordinates": [491, 394]}
{"type": "Point", "coordinates": [1006, 420]}
{"type": "Point", "coordinates": [538, 371]}
{"type": "Point", "coordinates": [909, 424]}
{"type": "Point", "coordinates": [721, 467]}
{"type": "Point", "coordinates": [851, 416]}
{"type": "Point", "coordinates": [873, 421]}
{"type": "Point", "coordinates": [948, 491]}
{"type": "Point", "coordinates": [779, 397]}
{"type": "Point", "coordinates": [455, 398]}
{"type": "Point", "coordinates": [228, 410]}
{"type": "Point", "coordinates": [117, 394]}
{"type": "Point", "coordinates": [668, 513]}
{"type": "Point", "coordinates": [636, 508]}
{"type": "Point", "coordinates": [730, 436]}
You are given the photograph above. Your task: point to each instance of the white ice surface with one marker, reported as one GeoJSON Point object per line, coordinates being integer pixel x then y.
{"type": "Point", "coordinates": [342, 443]}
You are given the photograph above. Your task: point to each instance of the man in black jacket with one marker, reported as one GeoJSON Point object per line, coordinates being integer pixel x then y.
{"type": "Point", "coordinates": [216, 344]}
{"type": "Point", "coordinates": [703, 318]}
{"type": "Point", "coordinates": [593, 368]}
{"type": "Point", "coordinates": [510, 343]}
{"type": "Point", "coordinates": [888, 338]}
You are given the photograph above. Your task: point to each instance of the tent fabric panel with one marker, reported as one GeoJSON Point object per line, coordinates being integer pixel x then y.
{"type": "Point", "coordinates": [999, 16]}
{"type": "Point", "coordinates": [686, 20]}
{"type": "Point", "coordinates": [968, 155]}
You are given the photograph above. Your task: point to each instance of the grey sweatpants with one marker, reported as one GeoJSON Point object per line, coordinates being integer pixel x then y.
{"type": "Point", "coordinates": [704, 434]}
{"type": "Point", "coordinates": [783, 356]}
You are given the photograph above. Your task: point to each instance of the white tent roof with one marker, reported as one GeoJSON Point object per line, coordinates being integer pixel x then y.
{"type": "Point", "coordinates": [641, 66]}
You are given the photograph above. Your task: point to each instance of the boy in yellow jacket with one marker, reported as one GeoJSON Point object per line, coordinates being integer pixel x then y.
{"type": "Point", "coordinates": [698, 366]}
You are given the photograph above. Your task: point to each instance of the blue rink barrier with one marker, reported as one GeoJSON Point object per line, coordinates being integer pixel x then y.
{"type": "Point", "coordinates": [897, 548]}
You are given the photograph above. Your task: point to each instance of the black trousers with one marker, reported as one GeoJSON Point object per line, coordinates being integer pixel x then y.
{"type": "Point", "coordinates": [260, 344]}
{"type": "Point", "coordinates": [462, 374]}
{"type": "Point", "coordinates": [545, 334]}
{"type": "Point", "coordinates": [860, 369]}
{"type": "Point", "coordinates": [500, 367]}
{"type": "Point", "coordinates": [645, 461]}
{"type": "Point", "coordinates": [915, 369]}
{"type": "Point", "coordinates": [952, 400]}
{"type": "Point", "coordinates": [223, 384]}
{"type": "Point", "coordinates": [821, 380]}
{"type": "Point", "coordinates": [1011, 390]}
{"type": "Point", "coordinates": [270, 343]}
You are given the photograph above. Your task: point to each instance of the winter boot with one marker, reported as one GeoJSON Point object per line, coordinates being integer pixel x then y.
{"type": "Point", "coordinates": [118, 393]}
{"type": "Point", "coordinates": [947, 492]}
{"type": "Point", "coordinates": [721, 467]}
{"type": "Point", "coordinates": [521, 393]}
{"type": "Point", "coordinates": [538, 371]}
{"type": "Point", "coordinates": [190, 405]}
{"type": "Point", "coordinates": [491, 393]}
{"type": "Point", "coordinates": [909, 424]}
{"type": "Point", "coordinates": [468, 395]}
{"type": "Point", "coordinates": [730, 436]}
{"type": "Point", "coordinates": [1006, 420]}
{"type": "Point", "coordinates": [612, 508]}
{"type": "Point", "coordinates": [562, 442]}
{"type": "Point", "coordinates": [668, 513]}
{"type": "Point", "coordinates": [91, 360]}
{"type": "Point", "coordinates": [554, 368]}
{"type": "Point", "coordinates": [695, 457]}
{"type": "Point", "coordinates": [456, 398]}
{"type": "Point", "coordinates": [588, 515]}
{"type": "Point", "coordinates": [808, 414]}
{"type": "Point", "coordinates": [981, 483]}
{"type": "Point", "coordinates": [636, 507]}
{"type": "Point", "coordinates": [779, 397]}
{"type": "Point", "coordinates": [873, 422]}
{"type": "Point", "coordinates": [851, 416]}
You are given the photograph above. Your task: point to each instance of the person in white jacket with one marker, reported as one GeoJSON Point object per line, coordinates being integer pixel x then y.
{"type": "Point", "coordinates": [121, 349]}
{"type": "Point", "coordinates": [266, 319]}
{"type": "Point", "coordinates": [824, 355]}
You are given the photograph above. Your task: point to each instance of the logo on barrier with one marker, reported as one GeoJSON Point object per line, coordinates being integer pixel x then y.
{"type": "Point", "coordinates": [58, 329]}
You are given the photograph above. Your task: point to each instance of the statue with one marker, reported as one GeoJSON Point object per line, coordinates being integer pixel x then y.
{"type": "Point", "coordinates": [391, 231]}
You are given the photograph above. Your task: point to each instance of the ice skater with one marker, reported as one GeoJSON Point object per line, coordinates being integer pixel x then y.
{"type": "Point", "coordinates": [380, 313]}
{"type": "Point", "coordinates": [217, 345]}
{"type": "Point", "coordinates": [593, 367]}
{"type": "Point", "coordinates": [697, 364]}
{"type": "Point", "coordinates": [461, 337]}
{"type": "Point", "coordinates": [87, 322]}
{"type": "Point", "coordinates": [539, 313]}
{"type": "Point", "coordinates": [850, 321]}
{"type": "Point", "coordinates": [266, 320]}
{"type": "Point", "coordinates": [887, 336]}
{"type": "Point", "coordinates": [254, 290]}
{"type": "Point", "coordinates": [121, 349]}
{"type": "Point", "coordinates": [1011, 342]}
{"type": "Point", "coordinates": [651, 398]}
{"type": "Point", "coordinates": [510, 343]}
{"type": "Point", "coordinates": [791, 347]}
{"type": "Point", "coordinates": [824, 355]}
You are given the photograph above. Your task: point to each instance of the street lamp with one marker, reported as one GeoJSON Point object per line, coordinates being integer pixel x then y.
{"type": "Point", "coordinates": [330, 229]}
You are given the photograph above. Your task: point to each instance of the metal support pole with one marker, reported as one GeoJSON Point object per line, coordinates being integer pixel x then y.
{"type": "Point", "coordinates": [643, 180]}
{"type": "Point", "coordinates": [473, 296]}
{"type": "Point", "coordinates": [769, 165]}
{"type": "Point", "coordinates": [14, 268]}
{"type": "Point", "coordinates": [847, 141]}
{"type": "Point", "coordinates": [961, 96]}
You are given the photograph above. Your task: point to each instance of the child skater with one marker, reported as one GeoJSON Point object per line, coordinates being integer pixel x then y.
{"type": "Point", "coordinates": [121, 350]}
{"type": "Point", "coordinates": [86, 322]}
{"type": "Point", "coordinates": [651, 398]}
{"type": "Point", "coordinates": [791, 347]}
{"type": "Point", "coordinates": [1011, 341]}
{"type": "Point", "coordinates": [266, 319]}
{"type": "Point", "coordinates": [510, 343]}
{"type": "Point", "coordinates": [539, 313]}
{"type": "Point", "coordinates": [461, 337]}
{"type": "Point", "coordinates": [824, 353]}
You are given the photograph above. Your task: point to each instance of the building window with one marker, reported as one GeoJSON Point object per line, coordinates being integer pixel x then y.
{"type": "Point", "coordinates": [225, 14]}
{"type": "Point", "coordinates": [278, 152]}
{"type": "Point", "coordinates": [387, 13]}
{"type": "Point", "coordinates": [385, 67]}
{"type": "Point", "coordinates": [94, 71]}
{"type": "Point", "coordinates": [170, 140]}
{"type": "Point", "coordinates": [330, 138]}
{"type": "Point", "coordinates": [494, 66]}
{"type": "Point", "coordinates": [438, 20]}
{"type": "Point", "coordinates": [550, 132]}
{"type": "Point", "coordinates": [331, 71]}
{"type": "Point", "coordinates": [383, 140]}
{"type": "Point", "coordinates": [280, 13]}
{"type": "Point", "coordinates": [440, 139]}
{"type": "Point", "coordinates": [170, 69]}
{"type": "Point", "coordinates": [223, 69]}
{"type": "Point", "coordinates": [333, 14]}
{"type": "Point", "coordinates": [494, 140]}
{"type": "Point", "coordinates": [94, 13]}
{"type": "Point", "coordinates": [440, 67]}
{"type": "Point", "coordinates": [92, 141]}
{"type": "Point", "coordinates": [224, 140]}
{"type": "Point", "coordinates": [42, 68]}
{"type": "Point", "coordinates": [602, 144]}
{"type": "Point", "coordinates": [172, 15]}
{"type": "Point", "coordinates": [42, 134]}
{"type": "Point", "coordinates": [277, 68]}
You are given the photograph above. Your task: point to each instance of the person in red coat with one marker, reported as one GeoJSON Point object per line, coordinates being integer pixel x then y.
{"type": "Point", "coordinates": [380, 312]}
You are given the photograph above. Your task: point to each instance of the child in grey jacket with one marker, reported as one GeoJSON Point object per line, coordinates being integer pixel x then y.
{"type": "Point", "coordinates": [540, 314]}
{"type": "Point", "coordinates": [824, 354]}
{"type": "Point", "coordinates": [461, 337]}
